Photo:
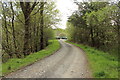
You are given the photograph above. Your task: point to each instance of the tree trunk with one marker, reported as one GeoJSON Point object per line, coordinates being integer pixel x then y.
{"type": "Point", "coordinates": [26, 35]}
{"type": "Point", "coordinates": [13, 31]}
{"type": "Point", "coordinates": [7, 35]}
{"type": "Point", "coordinates": [27, 9]}
{"type": "Point", "coordinates": [41, 26]}
{"type": "Point", "coordinates": [92, 37]}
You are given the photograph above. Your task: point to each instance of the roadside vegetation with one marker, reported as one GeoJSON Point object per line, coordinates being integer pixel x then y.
{"type": "Point", "coordinates": [96, 24]}
{"type": "Point", "coordinates": [17, 63]}
{"type": "Point", "coordinates": [27, 33]}
{"type": "Point", "coordinates": [103, 65]}
{"type": "Point", "coordinates": [26, 27]}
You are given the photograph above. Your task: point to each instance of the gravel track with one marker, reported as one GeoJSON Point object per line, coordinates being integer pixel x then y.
{"type": "Point", "coordinates": [68, 62]}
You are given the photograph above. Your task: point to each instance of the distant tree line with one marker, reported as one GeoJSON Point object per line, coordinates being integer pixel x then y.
{"type": "Point", "coordinates": [26, 27]}
{"type": "Point", "coordinates": [96, 24]}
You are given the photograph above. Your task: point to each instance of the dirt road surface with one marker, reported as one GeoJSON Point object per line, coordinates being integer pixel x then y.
{"type": "Point", "coordinates": [68, 62]}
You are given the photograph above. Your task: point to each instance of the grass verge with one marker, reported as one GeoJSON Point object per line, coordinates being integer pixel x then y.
{"type": "Point", "coordinates": [103, 65]}
{"type": "Point", "coordinates": [15, 63]}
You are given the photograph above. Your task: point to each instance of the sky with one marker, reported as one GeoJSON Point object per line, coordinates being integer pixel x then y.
{"type": "Point", "coordinates": [66, 8]}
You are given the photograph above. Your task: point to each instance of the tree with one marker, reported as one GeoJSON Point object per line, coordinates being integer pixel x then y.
{"type": "Point", "coordinates": [23, 24]}
{"type": "Point", "coordinates": [42, 25]}
{"type": "Point", "coordinates": [95, 24]}
{"type": "Point", "coordinates": [27, 9]}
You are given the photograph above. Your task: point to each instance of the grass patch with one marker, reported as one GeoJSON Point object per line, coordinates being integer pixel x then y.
{"type": "Point", "coordinates": [15, 63]}
{"type": "Point", "coordinates": [103, 65]}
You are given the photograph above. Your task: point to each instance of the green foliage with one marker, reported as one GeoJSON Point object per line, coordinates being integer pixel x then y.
{"type": "Point", "coordinates": [60, 32]}
{"type": "Point", "coordinates": [103, 65]}
{"type": "Point", "coordinates": [95, 24]}
{"type": "Point", "coordinates": [22, 37]}
{"type": "Point", "coordinates": [15, 63]}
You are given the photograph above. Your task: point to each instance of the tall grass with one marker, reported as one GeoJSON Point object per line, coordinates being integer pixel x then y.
{"type": "Point", "coordinates": [15, 63]}
{"type": "Point", "coordinates": [103, 65]}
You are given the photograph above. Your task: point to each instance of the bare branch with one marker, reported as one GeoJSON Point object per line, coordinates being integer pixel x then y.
{"type": "Point", "coordinates": [22, 6]}
{"type": "Point", "coordinates": [33, 6]}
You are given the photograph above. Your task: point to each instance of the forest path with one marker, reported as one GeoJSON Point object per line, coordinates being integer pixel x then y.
{"type": "Point", "coordinates": [68, 62]}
